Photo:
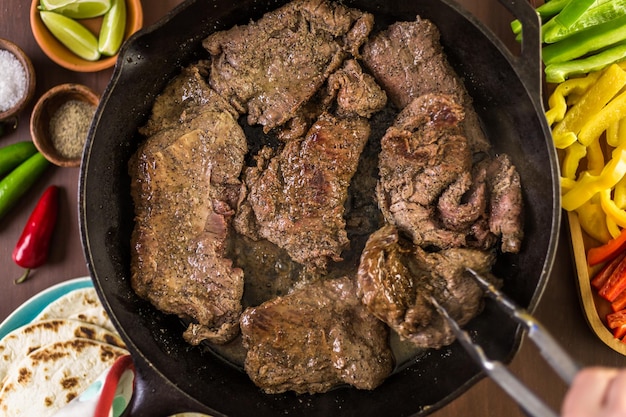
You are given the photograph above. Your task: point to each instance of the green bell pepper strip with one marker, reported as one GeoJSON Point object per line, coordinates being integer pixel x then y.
{"type": "Point", "coordinates": [571, 13]}
{"type": "Point", "coordinates": [589, 40]}
{"type": "Point", "coordinates": [545, 12]}
{"type": "Point", "coordinates": [600, 12]}
{"type": "Point", "coordinates": [559, 72]}
{"type": "Point", "coordinates": [18, 181]}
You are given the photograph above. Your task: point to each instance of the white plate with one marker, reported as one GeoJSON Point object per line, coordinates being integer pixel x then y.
{"type": "Point", "coordinates": [25, 313]}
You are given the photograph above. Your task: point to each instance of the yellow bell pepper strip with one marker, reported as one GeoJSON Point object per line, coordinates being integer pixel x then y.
{"type": "Point", "coordinates": [613, 112]}
{"type": "Point", "coordinates": [557, 101]}
{"type": "Point", "coordinates": [561, 71]}
{"type": "Point", "coordinates": [619, 194]}
{"type": "Point", "coordinates": [567, 184]}
{"type": "Point", "coordinates": [590, 184]}
{"type": "Point", "coordinates": [614, 229]}
{"type": "Point", "coordinates": [595, 158]}
{"type": "Point", "coordinates": [612, 134]}
{"type": "Point", "coordinates": [612, 211]}
{"type": "Point", "coordinates": [608, 251]}
{"type": "Point", "coordinates": [609, 83]}
{"type": "Point", "coordinates": [571, 160]}
{"type": "Point", "coordinates": [593, 221]}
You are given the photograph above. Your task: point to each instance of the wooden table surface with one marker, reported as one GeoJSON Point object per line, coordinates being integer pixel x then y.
{"type": "Point", "coordinates": [559, 308]}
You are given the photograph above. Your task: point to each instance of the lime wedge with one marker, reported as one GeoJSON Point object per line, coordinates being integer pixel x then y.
{"type": "Point", "coordinates": [76, 37]}
{"type": "Point", "coordinates": [113, 28]}
{"type": "Point", "coordinates": [77, 9]}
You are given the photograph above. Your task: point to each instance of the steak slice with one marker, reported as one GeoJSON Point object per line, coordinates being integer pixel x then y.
{"type": "Point", "coordinates": [408, 61]}
{"type": "Point", "coordinates": [421, 155]}
{"type": "Point", "coordinates": [506, 218]}
{"type": "Point", "coordinates": [395, 280]}
{"type": "Point", "coordinates": [271, 67]}
{"type": "Point", "coordinates": [296, 199]}
{"type": "Point", "coordinates": [184, 187]}
{"type": "Point", "coordinates": [315, 338]}
{"type": "Point", "coordinates": [184, 97]}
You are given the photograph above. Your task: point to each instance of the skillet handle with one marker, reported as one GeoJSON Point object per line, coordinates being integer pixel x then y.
{"type": "Point", "coordinates": [152, 397]}
{"type": "Point", "coordinates": [528, 65]}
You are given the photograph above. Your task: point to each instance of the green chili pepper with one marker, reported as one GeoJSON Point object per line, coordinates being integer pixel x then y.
{"type": "Point", "coordinates": [18, 181]}
{"type": "Point", "coordinates": [559, 72]}
{"type": "Point", "coordinates": [113, 28]}
{"type": "Point", "coordinates": [603, 11]}
{"type": "Point", "coordinates": [586, 41]}
{"type": "Point", "coordinates": [76, 37]}
{"type": "Point", "coordinates": [13, 155]}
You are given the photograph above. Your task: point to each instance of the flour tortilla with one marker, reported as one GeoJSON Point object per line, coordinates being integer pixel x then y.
{"type": "Point", "coordinates": [50, 377]}
{"type": "Point", "coordinates": [26, 339]}
{"type": "Point", "coordinates": [82, 304]}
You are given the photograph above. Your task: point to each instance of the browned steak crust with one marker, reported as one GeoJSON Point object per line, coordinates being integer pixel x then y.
{"type": "Point", "coordinates": [314, 339]}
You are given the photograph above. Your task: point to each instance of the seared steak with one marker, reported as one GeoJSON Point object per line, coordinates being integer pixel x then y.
{"type": "Point", "coordinates": [314, 339]}
{"type": "Point", "coordinates": [395, 279]}
{"type": "Point", "coordinates": [296, 199]}
{"type": "Point", "coordinates": [187, 95]}
{"type": "Point", "coordinates": [421, 155]}
{"type": "Point", "coordinates": [269, 68]}
{"type": "Point", "coordinates": [408, 61]}
{"type": "Point", "coordinates": [185, 186]}
{"type": "Point", "coordinates": [506, 204]}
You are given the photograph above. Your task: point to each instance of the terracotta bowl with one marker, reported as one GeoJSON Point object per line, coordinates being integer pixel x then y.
{"type": "Point", "coordinates": [43, 112]}
{"type": "Point", "coordinates": [57, 52]}
{"type": "Point", "coordinates": [30, 79]}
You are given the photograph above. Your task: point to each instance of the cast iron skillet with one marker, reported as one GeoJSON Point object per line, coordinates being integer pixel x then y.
{"type": "Point", "coordinates": [175, 377]}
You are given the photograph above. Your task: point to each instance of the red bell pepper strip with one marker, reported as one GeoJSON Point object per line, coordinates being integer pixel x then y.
{"type": "Point", "coordinates": [607, 270]}
{"type": "Point", "coordinates": [33, 245]}
{"type": "Point", "coordinates": [607, 251]}
{"type": "Point", "coordinates": [619, 332]}
{"type": "Point", "coordinates": [619, 303]}
{"type": "Point", "coordinates": [617, 319]}
{"type": "Point", "coordinates": [615, 284]}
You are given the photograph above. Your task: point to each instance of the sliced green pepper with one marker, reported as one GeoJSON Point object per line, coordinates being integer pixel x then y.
{"type": "Point", "coordinates": [561, 71]}
{"type": "Point", "coordinates": [600, 12]}
{"type": "Point", "coordinates": [589, 40]}
{"type": "Point", "coordinates": [545, 12]}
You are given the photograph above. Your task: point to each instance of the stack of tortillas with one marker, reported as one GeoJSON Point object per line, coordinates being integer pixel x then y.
{"type": "Point", "coordinates": [50, 361]}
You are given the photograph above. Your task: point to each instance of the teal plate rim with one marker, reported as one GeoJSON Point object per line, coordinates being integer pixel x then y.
{"type": "Point", "coordinates": [26, 312]}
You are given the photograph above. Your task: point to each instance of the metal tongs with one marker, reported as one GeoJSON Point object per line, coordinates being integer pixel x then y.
{"type": "Point", "coordinates": [551, 351]}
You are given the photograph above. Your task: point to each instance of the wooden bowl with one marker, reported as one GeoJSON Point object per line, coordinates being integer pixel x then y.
{"type": "Point", "coordinates": [594, 307]}
{"type": "Point", "coordinates": [30, 79]}
{"type": "Point", "coordinates": [57, 52]}
{"type": "Point", "coordinates": [43, 112]}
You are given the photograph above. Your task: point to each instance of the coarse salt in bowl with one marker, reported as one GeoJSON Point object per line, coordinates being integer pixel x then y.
{"type": "Point", "coordinates": [17, 80]}
{"type": "Point", "coordinates": [60, 122]}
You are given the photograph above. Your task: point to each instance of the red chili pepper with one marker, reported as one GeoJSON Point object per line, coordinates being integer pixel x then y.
{"type": "Point", "coordinates": [33, 246]}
